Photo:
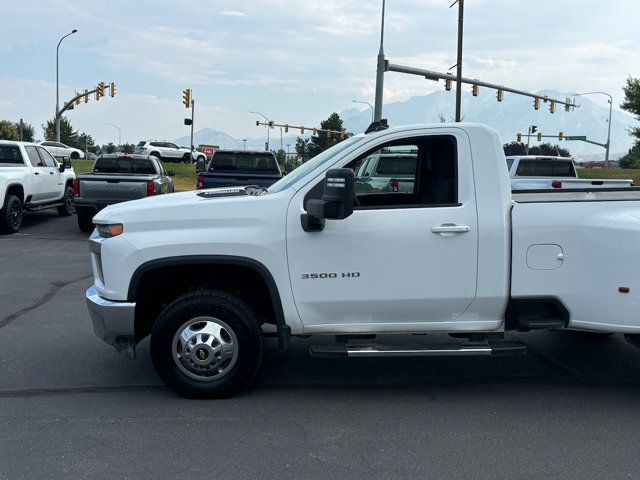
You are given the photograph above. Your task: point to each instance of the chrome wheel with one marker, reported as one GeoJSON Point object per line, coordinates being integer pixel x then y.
{"type": "Point", "coordinates": [205, 348]}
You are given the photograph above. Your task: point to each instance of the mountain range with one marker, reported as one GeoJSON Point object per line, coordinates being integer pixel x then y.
{"type": "Point", "coordinates": [511, 116]}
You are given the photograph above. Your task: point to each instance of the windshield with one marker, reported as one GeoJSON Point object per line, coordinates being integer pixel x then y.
{"type": "Point", "coordinates": [302, 170]}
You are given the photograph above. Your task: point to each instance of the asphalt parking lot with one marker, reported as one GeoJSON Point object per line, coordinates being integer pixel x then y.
{"type": "Point", "coordinates": [71, 407]}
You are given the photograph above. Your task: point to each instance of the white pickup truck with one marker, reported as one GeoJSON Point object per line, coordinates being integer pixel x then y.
{"type": "Point", "coordinates": [31, 179]}
{"type": "Point", "coordinates": [531, 172]}
{"type": "Point", "coordinates": [202, 271]}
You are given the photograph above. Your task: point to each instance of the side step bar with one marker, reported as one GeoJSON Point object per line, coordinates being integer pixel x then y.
{"type": "Point", "coordinates": [491, 347]}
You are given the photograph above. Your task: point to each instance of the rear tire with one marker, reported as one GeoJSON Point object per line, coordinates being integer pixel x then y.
{"type": "Point", "coordinates": [84, 222]}
{"type": "Point", "coordinates": [74, 156]}
{"type": "Point", "coordinates": [11, 215]}
{"type": "Point", "coordinates": [206, 344]}
{"type": "Point", "coordinates": [66, 208]}
{"type": "Point", "coordinates": [186, 158]}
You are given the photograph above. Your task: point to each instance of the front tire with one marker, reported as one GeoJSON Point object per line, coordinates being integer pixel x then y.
{"type": "Point", "coordinates": [186, 158]}
{"type": "Point", "coordinates": [11, 215]}
{"type": "Point", "coordinates": [206, 344]}
{"type": "Point", "coordinates": [66, 208]}
{"type": "Point", "coordinates": [85, 223]}
{"type": "Point", "coordinates": [74, 156]}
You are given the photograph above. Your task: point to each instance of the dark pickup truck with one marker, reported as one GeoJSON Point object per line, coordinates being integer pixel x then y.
{"type": "Point", "coordinates": [231, 168]}
{"type": "Point", "coordinates": [117, 178]}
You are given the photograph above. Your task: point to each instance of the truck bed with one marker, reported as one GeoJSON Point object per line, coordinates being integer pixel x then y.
{"type": "Point", "coordinates": [579, 248]}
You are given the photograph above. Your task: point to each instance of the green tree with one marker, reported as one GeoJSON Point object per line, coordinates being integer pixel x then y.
{"type": "Point", "coordinates": [548, 149]}
{"type": "Point", "coordinates": [128, 147]}
{"type": "Point", "coordinates": [108, 148]}
{"type": "Point", "coordinates": [323, 140]}
{"type": "Point", "coordinates": [514, 148]}
{"type": "Point", "coordinates": [68, 135]}
{"type": "Point", "coordinates": [85, 141]}
{"type": "Point", "coordinates": [303, 148]}
{"type": "Point", "coordinates": [632, 158]}
{"type": "Point", "coordinates": [632, 102]}
{"type": "Point", "coordinates": [28, 132]}
{"type": "Point", "coordinates": [8, 130]}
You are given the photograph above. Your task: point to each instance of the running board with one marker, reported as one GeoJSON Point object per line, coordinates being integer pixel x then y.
{"type": "Point", "coordinates": [492, 347]}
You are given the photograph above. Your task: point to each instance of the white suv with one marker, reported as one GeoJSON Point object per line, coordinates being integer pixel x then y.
{"type": "Point", "coordinates": [167, 151]}
{"type": "Point", "coordinates": [58, 149]}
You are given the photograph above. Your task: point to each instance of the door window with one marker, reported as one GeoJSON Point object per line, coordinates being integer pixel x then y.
{"type": "Point", "coordinates": [419, 172]}
{"type": "Point", "coordinates": [48, 160]}
{"type": "Point", "coordinates": [34, 158]}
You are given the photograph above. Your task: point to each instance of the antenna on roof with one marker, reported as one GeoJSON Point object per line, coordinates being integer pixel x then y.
{"type": "Point", "coordinates": [377, 126]}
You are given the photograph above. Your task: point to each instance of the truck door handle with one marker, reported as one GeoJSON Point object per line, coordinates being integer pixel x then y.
{"type": "Point", "coordinates": [449, 228]}
{"type": "Point", "coordinates": [36, 173]}
{"type": "Point", "coordinates": [50, 173]}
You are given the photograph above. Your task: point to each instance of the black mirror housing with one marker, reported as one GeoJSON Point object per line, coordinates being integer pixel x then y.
{"type": "Point", "coordinates": [200, 167]}
{"type": "Point", "coordinates": [66, 162]}
{"type": "Point", "coordinates": [337, 201]}
{"type": "Point", "coordinates": [171, 173]}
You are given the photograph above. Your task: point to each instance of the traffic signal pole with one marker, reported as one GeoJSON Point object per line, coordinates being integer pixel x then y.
{"type": "Point", "coordinates": [459, 61]}
{"type": "Point", "coordinates": [193, 108]}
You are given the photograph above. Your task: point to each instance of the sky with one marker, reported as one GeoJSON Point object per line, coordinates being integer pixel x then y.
{"type": "Point", "coordinates": [295, 62]}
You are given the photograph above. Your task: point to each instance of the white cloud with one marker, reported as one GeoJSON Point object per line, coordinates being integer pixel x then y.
{"type": "Point", "coordinates": [227, 13]}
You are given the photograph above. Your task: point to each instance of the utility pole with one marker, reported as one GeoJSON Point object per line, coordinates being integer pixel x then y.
{"type": "Point", "coordinates": [244, 143]}
{"type": "Point", "coordinates": [459, 61]}
{"type": "Point", "coordinates": [21, 131]}
{"type": "Point", "coordinates": [530, 131]}
{"type": "Point", "coordinates": [193, 102]}
{"type": "Point", "coordinates": [381, 67]}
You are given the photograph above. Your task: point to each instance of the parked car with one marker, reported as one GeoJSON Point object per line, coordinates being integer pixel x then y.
{"type": "Point", "coordinates": [529, 172]}
{"type": "Point", "coordinates": [58, 149]}
{"type": "Point", "coordinates": [167, 151]}
{"type": "Point", "coordinates": [118, 178]}
{"type": "Point", "coordinates": [92, 156]}
{"type": "Point", "coordinates": [200, 272]}
{"type": "Point", "coordinates": [229, 168]}
{"type": "Point", "coordinates": [31, 179]}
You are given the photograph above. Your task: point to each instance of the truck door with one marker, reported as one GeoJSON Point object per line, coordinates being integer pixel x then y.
{"type": "Point", "coordinates": [404, 260]}
{"type": "Point", "coordinates": [53, 183]}
{"type": "Point", "coordinates": [39, 174]}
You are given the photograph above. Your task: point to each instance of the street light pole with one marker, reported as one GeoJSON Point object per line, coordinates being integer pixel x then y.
{"type": "Point", "coordinates": [57, 116]}
{"type": "Point", "coordinates": [119, 132]}
{"type": "Point", "coordinates": [366, 103]}
{"type": "Point", "coordinates": [606, 154]}
{"type": "Point", "coordinates": [459, 60]}
{"type": "Point", "coordinates": [381, 67]}
{"type": "Point", "coordinates": [244, 143]}
{"type": "Point", "coordinates": [268, 127]}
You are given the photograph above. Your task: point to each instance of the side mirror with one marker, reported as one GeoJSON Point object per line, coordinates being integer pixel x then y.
{"type": "Point", "coordinates": [171, 173]}
{"type": "Point", "coordinates": [66, 161]}
{"type": "Point", "coordinates": [337, 200]}
{"type": "Point", "coordinates": [200, 167]}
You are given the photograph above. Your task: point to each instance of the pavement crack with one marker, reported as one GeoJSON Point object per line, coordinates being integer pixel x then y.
{"type": "Point", "coordinates": [32, 392]}
{"type": "Point", "coordinates": [53, 290]}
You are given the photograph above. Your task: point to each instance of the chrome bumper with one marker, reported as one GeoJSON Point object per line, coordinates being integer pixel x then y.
{"type": "Point", "coordinates": [112, 321]}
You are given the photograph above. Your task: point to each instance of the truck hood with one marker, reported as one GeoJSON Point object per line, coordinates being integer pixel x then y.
{"type": "Point", "coordinates": [188, 209]}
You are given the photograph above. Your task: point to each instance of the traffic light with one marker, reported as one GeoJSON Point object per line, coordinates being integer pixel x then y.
{"type": "Point", "coordinates": [78, 99]}
{"type": "Point", "coordinates": [536, 103]}
{"type": "Point", "coordinates": [286, 127]}
{"type": "Point", "coordinates": [519, 138]}
{"type": "Point", "coordinates": [86, 95]}
{"type": "Point", "coordinates": [97, 94]}
{"type": "Point", "coordinates": [474, 90]}
{"type": "Point", "coordinates": [447, 85]}
{"type": "Point", "coordinates": [112, 90]}
{"type": "Point", "coordinates": [315, 131]}
{"type": "Point", "coordinates": [500, 95]}
{"type": "Point", "coordinates": [342, 135]}
{"type": "Point", "coordinates": [186, 98]}
{"type": "Point", "coordinates": [257, 123]}
{"type": "Point", "coordinates": [552, 106]}
{"type": "Point", "coordinates": [301, 130]}
{"type": "Point", "coordinates": [328, 133]}
{"type": "Point", "coordinates": [561, 136]}
{"type": "Point", "coordinates": [101, 88]}
{"type": "Point", "coordinates": [539, 136]}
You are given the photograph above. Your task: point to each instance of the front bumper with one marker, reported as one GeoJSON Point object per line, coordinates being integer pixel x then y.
{"type": "Point", "coordinates": [112, 321]}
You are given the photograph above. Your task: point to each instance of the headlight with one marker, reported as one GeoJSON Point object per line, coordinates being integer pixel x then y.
{"type": "Point", "coordinates": [109, 230]}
